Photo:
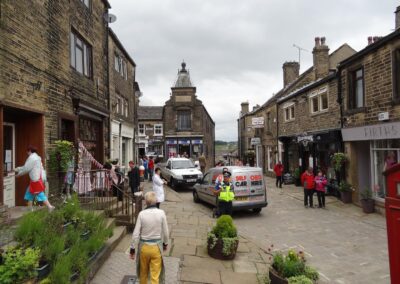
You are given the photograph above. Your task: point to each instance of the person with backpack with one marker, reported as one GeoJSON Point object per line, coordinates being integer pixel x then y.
{"type": "Point", "coordinates": [34, 167]}
{"type": "Point", "coordinates": [308, 182]}
{"type": "Point", "coordinates": [320, 183]}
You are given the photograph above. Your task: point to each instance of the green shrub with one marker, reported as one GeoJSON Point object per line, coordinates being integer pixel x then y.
{"type": "Point", "coordinates": [311, 273]}
{"type": "Point", "coordinates": [70, 210]}
{"type": "Point", "coordinates": [293, 268]}
{"type": "Point", "coordinates": [293, 264]}
{"type": "Point", "coordinates": [29, 226]}
{"type": "Point", "coordinates": [225, 227]}
{"type": "Point", "coordinates": [301, 279]}
{"type": "Point", "coordinates": [19, 265]}
{"type": "Point", "coordinates": [61, 271]}
{"type": "Point", "coordinates": [61, 155]}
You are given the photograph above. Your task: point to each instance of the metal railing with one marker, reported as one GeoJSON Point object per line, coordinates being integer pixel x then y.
{"type": "Point", "coordinates": [96, 191]}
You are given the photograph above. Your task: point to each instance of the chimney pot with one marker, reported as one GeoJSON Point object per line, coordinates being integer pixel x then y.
{"type": "Point", "coordinates": [317, 41]}
{"type": "Point", "coordinates": [370, 40]}
{"type": "Point", "coordinates": [397, 18]}
{"type": "Point", "coordinates": [376, 38]}
{"type": "Point", "coordinates": [323, 40]}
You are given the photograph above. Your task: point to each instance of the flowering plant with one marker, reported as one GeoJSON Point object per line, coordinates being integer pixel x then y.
{"type": "Point", "coordinates": [338, 159]}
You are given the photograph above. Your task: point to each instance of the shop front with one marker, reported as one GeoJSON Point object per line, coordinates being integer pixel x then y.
{"type": "Point", "coordinates": [121, 143]}
{"type": "Point", "coordinates": [312, 149]}
{"type": "Point", "coordinates": [156, 146]}
{"type": "Point", "coordinates": [372, 150]}
{"type": "Point", "coordinates": [190, 147]}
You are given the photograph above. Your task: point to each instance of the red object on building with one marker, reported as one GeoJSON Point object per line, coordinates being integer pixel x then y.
{"type": "Point", "coordinates": [392, 205]}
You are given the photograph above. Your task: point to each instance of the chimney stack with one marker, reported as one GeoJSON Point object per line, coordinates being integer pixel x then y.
{"type": "Point", "coordinates": [397, 13]}
{"type": "Point", "coordinates": [245, 107]}
{"type": "Point", "coordinates": [321, 58]}
{"type": "Point", "coordinates": [291, 71]}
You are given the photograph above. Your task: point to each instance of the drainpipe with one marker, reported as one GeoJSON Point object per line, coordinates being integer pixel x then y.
{"type": "Point", "coordinates": [108, 89]}
{"type": "Point", "coordinates": [340, 100]}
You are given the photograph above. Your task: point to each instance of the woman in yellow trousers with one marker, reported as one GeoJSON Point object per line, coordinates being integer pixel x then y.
{"type": "Point", "coordinates": [151, 238]}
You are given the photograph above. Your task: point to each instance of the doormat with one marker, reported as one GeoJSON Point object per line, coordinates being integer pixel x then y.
{"type": "Point", "coordinates": [129, 279]}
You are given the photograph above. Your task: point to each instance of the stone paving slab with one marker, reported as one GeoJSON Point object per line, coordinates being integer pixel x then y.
{"type": "Point", "coordinates": [200, 275]}
{"type": "Point", "coordinates": [228, 277]}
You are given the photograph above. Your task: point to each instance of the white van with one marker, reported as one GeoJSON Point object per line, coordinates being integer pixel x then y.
{"type": "Point", "coordinates": [249, 188]}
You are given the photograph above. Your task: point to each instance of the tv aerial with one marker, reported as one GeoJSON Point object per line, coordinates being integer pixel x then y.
{"type": "Point", "coordinates": [300, 50]}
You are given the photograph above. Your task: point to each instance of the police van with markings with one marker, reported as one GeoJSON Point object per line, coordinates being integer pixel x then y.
{"type": "Point", "coordinates": [249, 188]}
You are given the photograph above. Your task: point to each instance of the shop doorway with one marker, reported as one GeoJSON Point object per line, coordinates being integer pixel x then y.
{"type": "Point", "coordinates": [21, 128]}
{"type": "Point", "coordinates": [184, 150]}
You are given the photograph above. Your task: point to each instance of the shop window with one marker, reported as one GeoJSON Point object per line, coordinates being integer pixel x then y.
{"type": "Point", "coordinates": [184, 120]}
{"type": "Point", "coordinates": [385, 154]}
{"type": "Point", "coordinates": [158, 129]}
{"type": "Point", "coordinates": [80, 55]}
{"type": "Point", "coordinates": [356, 91]}
{"type": "Point", "coordinates": [142, 129]}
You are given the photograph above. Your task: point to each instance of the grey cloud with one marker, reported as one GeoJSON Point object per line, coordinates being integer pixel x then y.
{"type": "Point", "coordinates": [223, 41]}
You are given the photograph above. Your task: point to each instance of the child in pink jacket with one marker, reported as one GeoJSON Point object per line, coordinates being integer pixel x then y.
{"type": "Point", "coordinates": [320, 183]}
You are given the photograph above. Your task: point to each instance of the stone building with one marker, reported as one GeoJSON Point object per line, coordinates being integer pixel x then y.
{"type": "Point", "coordinates": [309, 116]}
{"type": "Point", "coordinates": [53, 81]}
{"type": "Point", "coordinates": [122, 101]}
{"type": "Point", "coordinates": [151, 131]}
{"type": "Point", "coordinates": [369, 92]}
{"type": "Point", "coordinates": [188, 127]}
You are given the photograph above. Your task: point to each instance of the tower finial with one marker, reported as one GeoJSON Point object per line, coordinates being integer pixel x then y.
{"type": "Point", "coordinates": [183, 65]}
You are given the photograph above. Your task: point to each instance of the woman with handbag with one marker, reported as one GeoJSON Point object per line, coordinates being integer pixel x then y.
{"type": "Point", "coordinates": [34, 167]}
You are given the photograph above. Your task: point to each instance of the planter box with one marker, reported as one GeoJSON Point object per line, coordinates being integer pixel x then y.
{"type": "Point", "coordinates": [74, 276]}
{"type": "Point", "coordinates": [368, 205]}
{"type": "Point", "coordinates": [85, 235]}
{"type": "Point", "coordinates": [275, 278]}
{"type": "Point", "coordinates": [216, 251]}
{"type": "Point", "coordinates": [346, 196]}
{"type": "Point", "coordinates": [43, 270]}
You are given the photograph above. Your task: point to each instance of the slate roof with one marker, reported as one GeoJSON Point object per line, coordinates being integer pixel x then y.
{"type": "Point", "coordinates": [150, 112]}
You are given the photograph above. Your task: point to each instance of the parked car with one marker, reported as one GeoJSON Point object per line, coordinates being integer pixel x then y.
{"type": "Point", "coordinates": [249, 188]}
{"type": "Point", "coordinates": [180, 171]}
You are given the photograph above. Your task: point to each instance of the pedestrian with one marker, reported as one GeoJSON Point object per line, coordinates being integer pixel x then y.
{"type": "Point", "coordinates": [117, 180]}
{"type": "Point", "coordinates": [151, 168]}
{"type": "Point", "coordinates": [146, 167]}
{"type": "Point", "coordinates": [34, 167]}
{"type": "Point", "coordinates": [278, 169]}
{"type": "Point", "coordinates": [134, 177]}
{"type": "Point", "coordinates": [307, 180]}
{"type": "Point", "coordinates": [226, 195]}
{"type": "Point", "coordinates": [158, 187]}
{"type": "Point", "coordinates": [151, 239]}
{"type": "Point", "coordinates": [320, 183]}
{"type": "Point", "coordinates": [203, 163]}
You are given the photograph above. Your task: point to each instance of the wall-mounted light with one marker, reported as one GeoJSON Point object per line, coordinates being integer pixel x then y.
{"type": "Point", "coordinates": [36, 86]}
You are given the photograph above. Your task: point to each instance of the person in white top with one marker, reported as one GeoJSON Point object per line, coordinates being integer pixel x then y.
{"type": "Point", "coordinates": [33, 165]}
{"type": "Point", "coordinates": [151, 238]}
{"type": "Point", "coordinates": [158, 187]}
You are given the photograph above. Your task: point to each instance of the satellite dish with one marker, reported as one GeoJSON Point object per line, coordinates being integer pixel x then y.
{"type": "Point", "coordinates": [110, 18]}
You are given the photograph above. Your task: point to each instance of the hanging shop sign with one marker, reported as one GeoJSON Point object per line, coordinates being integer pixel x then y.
{"type": "Point", "coordinates": [257, 122]}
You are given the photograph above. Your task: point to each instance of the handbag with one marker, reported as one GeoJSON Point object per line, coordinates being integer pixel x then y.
{"type": "Point", "coordinates": [36, 187]}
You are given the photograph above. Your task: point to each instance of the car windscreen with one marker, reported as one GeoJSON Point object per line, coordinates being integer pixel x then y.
{"type": "Point", "coordinates": [184, 164]}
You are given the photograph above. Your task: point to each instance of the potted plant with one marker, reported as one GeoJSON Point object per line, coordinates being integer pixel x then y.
{"type": "Point", "coordinates": [346, 191]}
{"type": "Point", "coordinates": [291, 268]}
{"type": "Point", "coordinates": [61, 155]}
{"type": "Point", "coordinates": [223, 241]}
{"type": "Point", "coordinates": [19, 265]}
{"type": "Point", "coordinates": [367, 202]}
{"type": "Point", "coordinates": [296, 175]}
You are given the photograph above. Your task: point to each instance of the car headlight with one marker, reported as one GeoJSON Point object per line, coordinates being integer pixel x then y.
{"type": "Point", "coordinates": [178, 177]}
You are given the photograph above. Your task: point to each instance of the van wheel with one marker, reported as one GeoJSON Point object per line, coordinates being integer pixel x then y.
{"type": "Point", "coordinates": [196, 198]}
{"type": "Point", "coordinates": [257, 210]}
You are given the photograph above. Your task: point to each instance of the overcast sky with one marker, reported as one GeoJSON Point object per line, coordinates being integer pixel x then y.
{"type": "Point", "coordinates": [234, 49]}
